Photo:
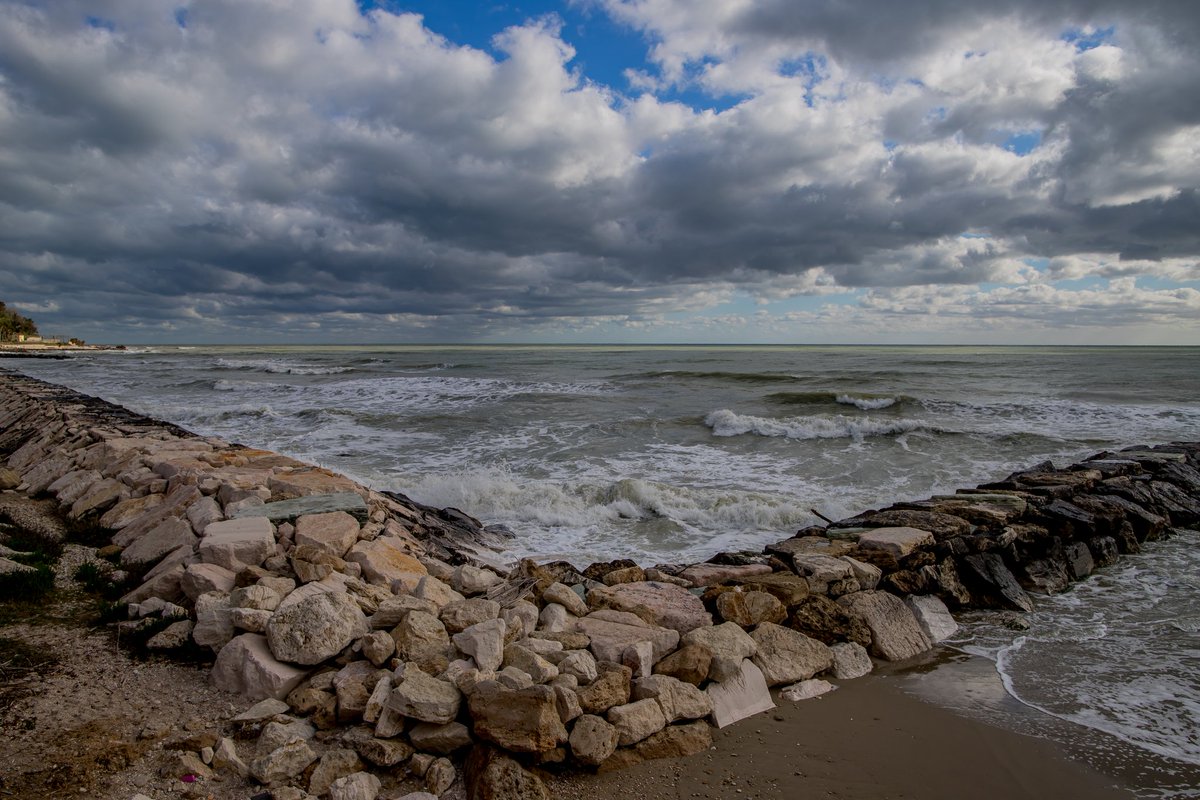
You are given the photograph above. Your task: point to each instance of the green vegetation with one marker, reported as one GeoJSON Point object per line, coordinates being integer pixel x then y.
{"type": "Point", "coordinates": [13, 324]}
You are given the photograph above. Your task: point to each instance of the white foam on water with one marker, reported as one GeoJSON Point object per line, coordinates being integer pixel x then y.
{"type": "Point", "coordinates": [824, 426]}
{"type": "Point", "coordinates": [866, 403]}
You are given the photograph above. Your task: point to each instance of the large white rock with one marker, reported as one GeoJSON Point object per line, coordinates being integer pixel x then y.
{"type": "Point", "coordinates": [637, 720]}
{"type": "Point", "coordinates": [333, 532]}
{"type": "Point", "coordinates": [742, 695]}
{"type": "Point", "coordinates": [787, 656]}
{"type": "Point", "coordinates": [484, 642]}
{"type": "Point", "coordinates": [200, 579]}
{"type": "Point", "coordinates": [806, 690]}
{"type": "Point", "coordinates": [850, 660]}
{"type": "Point", "coordinates": [316, 628]}
{"type": "Point", "coordinates": [155, 544]}
{"type": "Point", "coordinates": [933, 616]}
{"type": "Point", "coordinates": [566, 597]}
{"type": "Point", "coordinates": [246, 666]}
{"type": "Point", "coordinates": [661, 604]}
{"type": "Point", "coordinates": [613, 631]}
{"type": "Point", "coordinates": [728, 645]}
{"type": "Point", "coordinates": [593, 739]}
{"type": "Point", "coordinates": [895, 633]}
{"type": "Point", "coordinates": [238, 543]}
{"type": "Point", "coordinates": [678, 699]}
{"type": "Point", "coordinates": [385, 560]}
{"type": "Point", "coordinates": [897, 541]}
{"type": "Point", "coordinates": [418, 695]}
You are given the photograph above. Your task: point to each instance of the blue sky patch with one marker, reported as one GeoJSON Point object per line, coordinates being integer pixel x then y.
{"type": "Point", "coordinates": [1090, 40]}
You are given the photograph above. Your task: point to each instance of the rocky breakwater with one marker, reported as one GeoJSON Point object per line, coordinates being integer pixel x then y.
{"type": "Point", "coordinates": [380, 640]}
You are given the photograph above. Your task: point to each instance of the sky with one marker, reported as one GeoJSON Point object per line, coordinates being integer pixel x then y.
{"type": "Point", "coordinates": [740, 171]}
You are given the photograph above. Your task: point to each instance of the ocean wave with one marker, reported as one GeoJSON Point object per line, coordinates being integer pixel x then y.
{"type": "Point", "coordinates": [276, 367]}
{"type": "Point", "coordinates": [866, 403]}
{"type": "Point", "coordinates": [826, 426]}
{"type": "Point", "coordinates": [706, 375]}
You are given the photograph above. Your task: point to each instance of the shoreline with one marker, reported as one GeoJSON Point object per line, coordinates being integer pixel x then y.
{"type": "Point", "coordinates": [101, 459]}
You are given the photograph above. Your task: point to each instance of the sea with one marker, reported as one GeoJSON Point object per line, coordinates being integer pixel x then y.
{"type": "Point", "coordinates": [674, 453]}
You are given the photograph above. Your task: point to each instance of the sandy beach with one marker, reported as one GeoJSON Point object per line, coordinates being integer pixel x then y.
{"type": "Point", "coordinates": [869, 740]}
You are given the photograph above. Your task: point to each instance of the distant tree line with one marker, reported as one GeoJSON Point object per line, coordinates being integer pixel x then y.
{"type": "Point", "coordinates": [13, 324]}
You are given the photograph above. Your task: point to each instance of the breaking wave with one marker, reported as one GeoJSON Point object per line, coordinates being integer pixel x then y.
{"type": "Point", "coordinates": [826, 426]}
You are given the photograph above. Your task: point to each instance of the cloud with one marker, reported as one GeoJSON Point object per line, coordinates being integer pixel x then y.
{"type": "Point", "coordinates": [266, 170]}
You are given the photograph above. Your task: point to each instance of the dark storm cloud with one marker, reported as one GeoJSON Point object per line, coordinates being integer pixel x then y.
{"type": "Point", "coordinates": [268, 172]}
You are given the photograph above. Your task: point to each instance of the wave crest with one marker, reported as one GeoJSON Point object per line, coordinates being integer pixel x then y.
{"type": "Point", "coordinates": [826, 426]}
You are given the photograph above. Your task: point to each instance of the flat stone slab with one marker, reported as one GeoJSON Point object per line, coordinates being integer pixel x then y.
{"type": "Point", "coordinates": [283, 510]}
{"type": "Point", "coordinates": [742, 695]}
{"type": "Point", "coordinates": [238, 543]}
{"type": "Point", "coordinates": [897, 541]}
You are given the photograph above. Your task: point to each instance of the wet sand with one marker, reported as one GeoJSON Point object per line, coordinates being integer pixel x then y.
{"type": "Point", "coordinates": [868, 740]}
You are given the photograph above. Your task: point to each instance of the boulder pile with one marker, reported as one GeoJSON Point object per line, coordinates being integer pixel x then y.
{"type": "Point", "coordinates": [373, 634]}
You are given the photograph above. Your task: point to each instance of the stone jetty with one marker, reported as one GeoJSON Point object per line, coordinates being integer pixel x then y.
{"type": "Point", "coordinates": [373, 636]}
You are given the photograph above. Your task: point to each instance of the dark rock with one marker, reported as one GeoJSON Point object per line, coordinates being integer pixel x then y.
{"type": "Point", "coordinates": [943, 579]}
{"type": "Point", "coordinates": [491, 775]}
{"type": "Point", "coordinates": [1181, 508]}
{"type": "Point", "coordinates": [990, 581]}
{"type": "Point", "coordinates": [904, 582]}
{"type": "Point", "coordinates": [1080, 563]}
{"type": "Point", "coordinates": [785, 587]}
{"type": "Point", "coordinates": [738, 559]}
{"type": "Point", "coordinates": [1044, 575]}
{"type": "Point", "coordinates": [283, 510]}
{"type": "Point", "coordinates": [824, 620]}
{"type": "Point", "coordinates": [597, 571]}
{"type": "Point", "coordinates": [1127, 541]}
{"type": "Point", "coordinates": [1104, 550]}
{"type": "Point", "coordinates": [1069, 519]}
{"type": "Point", "coordinates": [1146, 524]}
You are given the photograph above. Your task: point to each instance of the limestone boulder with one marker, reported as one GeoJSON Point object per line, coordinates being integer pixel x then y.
{"type": "Point", "coordinates": [610, 632]}
{"type": "Point", "coordinates": [689, 663]}
{"type": "Point", "coordinates": [246, 666]}
{"type": "Point", "coordinates": [156, 543]}
{"type": "Point", "coordinates": [580, 664]}
{"type": "Point", "coordinates": [203, 513]}
{"type": "Point", "coordinates": [283, 763]}
{"type": "Point", "coordinates": [422, 638]}
{"type": "Point", "coordinates": [898, 542]}
{"type": "Point", "coordinates": [470, 580]}
{"type": "Point", "coordinates": [334, 532]}
{"type": "Point", "coordinates": [661, 604]}
{"type": "Point", "coordinates": [442, 739]}
{"type": "Point", "coordinates": [333, 764]}
{"type": "Point", "coordinates": [521, 720]}
{"type": "Point", "coordinates": [380, 752]}
{"type": "Point", "coordinates": [356, 786]}
{"type": "Point", "coordinates": [537, 668]}
{"type": "Point", "coordinates": [567, 598]}
{"type": "Point", "coordinates": [611, 688]}
{"type": "Point", "coordinates": [741, 695]}
{"type": "Point", "coordinates": [420, 696]}
{"type": "Point", "coordinates": [827, 621]}
{"type": "Point", "coordinates": [593, 739]}
{"type": "Point", "coordinates": [676, 741]}
{"type": "Point", "coordinates": [727, 644]}
{"type": "Point", "coordinates": [750, 608]}
{"type": "Point", "coordinates": [484, 642]}
{"type": "Point", "coordinates": [935, 619]}
{"type": "Point", "coordinates": [457, 617]}
{"type": "Point", "coordinates": [711, 574]}
{"type": "Point", "coordinates": [788, 656]}
{"type": "Point", "coordinates": [895, 632]}
{"type": "Point", "coordinates": [850, 660]}
{"type": "Point", "coordinates": [200, 579]}
{"type": "Point", "coordinates": [678, 700]}
{"type": "Point", "coordinates": [491, 775]}
{"type": "Point", "coordinates": [238, 543]}
{"type": "Point", "coordinates": [785, 587]}
{"type": "Point", "coordinates": [316, 628]}
{"type": "Point", "coordinates": [635, 721]}
{"type": "Point", "coordinates": [806, 690]}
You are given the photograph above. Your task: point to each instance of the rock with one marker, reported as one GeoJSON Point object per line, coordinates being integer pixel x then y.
{"type": "Point", "coordinates": [422, 638]}
{"type": "Point", "coordinates": [385, 561]}
{"type": "Point", "coordinates": [378, 699]}
{"type": "Point", "coordinates": [152, 546]}
{"type": "Point", "coordinates": [639, 657]}
{"type": "Point", "coordinates": [441, 739]}
{"type": "Point", "coordinates": [491, 775]}
{"type": "Point", "coordinates": [459, 616]}
{"type": "Point", "coordinates": [1045, 575]}
{"type": "Point", "coordinates": [677, 699]}
{"type": "Point", "coordinates": [728, 645]}
{"type": "Point", "coordinates": [555, 618]}
{"type": "Point", "coordinates": [334, 764]}
{"type": "Point", "coordinates": [175, 635]}
{"type": "Point", "coordinates": [806, 690]}
{"type": "Point", "coordinates": [676, 741]}
{"type": "Point", "coordinates": [787, 588]}
{"type": "Point", "coordinates": [632, 574]}
{"type": "Point", "coordinates": [537, 668]}
{"type": "Point", "coordinates": [611, 688]}
{"type": "Point", "coordinates": [610, 633]}
{"type": "Point", "coordinates": [214, 624]}
{"type": "Point", "coordinates": [1079, 560]}
{"type": "Point", "coordinates": [635, 721]}
{"type": "Point", "coordinates": [471, 580]}
{"type": "Point", "coordinates": [281, 510]}
{"type": "Point", "coordinates": [992, 581]}
{"type": "Point", "coordinates": [895, 633]}
{"type": "Point", "coordinates": [898, 542]}
{"type": "Point", "coordinates": [182, 765]}
{"type": "Point", "coordinates": [277, 734]}
{"type": "Point", "coordinates": [378, 647]}
{"type": "Point", "coordinates": [9, 478]}
{"type": "Point", "coordinates": [355, 683]}
{"type": "Point", "coordinates": [580, 664]}
{"type": "Point", "coordinates": [484, 642]}
{"type": "Point", "coordinates": [261, 711]}
{"type": "Point", "coordinates": [98, 498]}
{"type": "Point", "coordinates": [867, 575]}
{"type": "Point", "coordinates": [788, 656]}
{"type": "Point", "coordinates": [821, 570]}
{"type": "Point", "coordinates": [316, 628]}
{"type": "Point", "coordinates": [566, 700]}
{"type": "Point", "coordinates": [522, 619]}
{"type": "Point", "coordinates": [709, 574]}
{"type": "Point", "coordinates": [742, 695]}
{"type": "Point", "coordinates": [238, 543]}
{"type": "Point", "coordinates": [283, 763]}
{"type": "Point", "coordinates": [521, 720]}
{"type": "Point", "coordinates": [933, 617]}
{"type": "Point", "coordinates": [689, 663]}
{"type": "Point", "coordinates": [567, 598]}
{"type": "Point", "coordinates": [593, 740]}
{"type": "Point", "coordinates": [440, 776]}
{"type": "Point", "coordinates": [748, 609]}
{"type": "Point", "coordinates": [226, 757]}
{"type": "Point", "coordinates": [850, 660]}
{"type": "Point", "coordinates": [203, 513]}
{"type": "Point", "coordinates": [422, 697]}
{"type": "Point", "coordinates": [828, 622]}
{"type": "Point", "coordinates": [333, 532]}
{"type": "Point", "coordinates": [380, 752]}
{"type": "Point", "coordinates": [943, 578]}
{"type": "Point", "coordinates": [256, 597]}
{"type": "Point", "coordinates": [359, 786]}
{"type": "Point", "coordinates": [391, 611]}
{"type": "Point", "coordinates": [513, 678]}
{"type": "Point", "coordinates": [198, 579]}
